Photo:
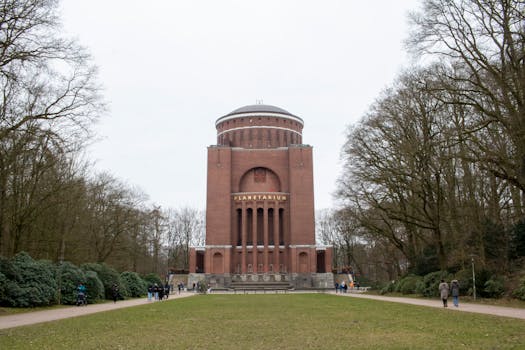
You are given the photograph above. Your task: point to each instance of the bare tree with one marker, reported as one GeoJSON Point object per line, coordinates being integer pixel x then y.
{"type": "Point", "coordinates": [186, 228]}
{"type": "Point", "coordinates": [48, 92]}
{"type": "Point", "coordinates": [484, 41]}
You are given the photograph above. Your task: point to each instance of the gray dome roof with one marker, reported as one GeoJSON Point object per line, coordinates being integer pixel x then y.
{"type": "Point", "coordinates": [259, 108]}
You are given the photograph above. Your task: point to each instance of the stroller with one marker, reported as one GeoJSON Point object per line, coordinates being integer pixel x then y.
{"type": "Point", "coordinates": [81, 299]}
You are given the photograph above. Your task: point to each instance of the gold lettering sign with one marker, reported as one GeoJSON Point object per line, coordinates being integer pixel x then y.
{"type": "Point", "coordinates": [260, 197]}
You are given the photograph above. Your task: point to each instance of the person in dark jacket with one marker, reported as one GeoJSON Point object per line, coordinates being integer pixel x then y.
{"type": "Point", "coordinates": [167, 290]}
{"type": "Point", "coordinates": [454, 291]}
{"type": "Point", "coordinates": [150, 292]}
{"type": "Point", "coordinates": [160, 289]}
{"type": "Point", "coordinates": [115, 292]}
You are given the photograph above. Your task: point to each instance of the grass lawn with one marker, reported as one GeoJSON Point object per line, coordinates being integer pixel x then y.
{"type": "Point", "coordinates": [291, 321]}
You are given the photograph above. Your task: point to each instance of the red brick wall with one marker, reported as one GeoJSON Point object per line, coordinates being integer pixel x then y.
{"type": "Point", "coordinates": [302, 229]}
{"type": "Point", "coordinates": [294, 169]}
{"type": "Point", "coordinates": [218, 199]}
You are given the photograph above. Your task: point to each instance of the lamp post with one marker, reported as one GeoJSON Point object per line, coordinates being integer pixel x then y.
{"type": "Point", "coordinates": [473, 279]}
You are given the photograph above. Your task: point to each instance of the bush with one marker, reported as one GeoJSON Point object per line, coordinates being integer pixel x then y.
{"type": "Point", "coordinates": [430, 283]}
{"type": "Point", "coordinates": [107, 275]}
{"type": "Point", "coordinates": [390, 287]}
{"type": "Point", "coordinates": [29, 282]}
{"type": "Point", "coordinates": [152, 278]}
{"type": "Point", "coordinates": [408, 284]}
{"type": "Point", "coordinates": [94, 287]}
{"type": "Point", "coordinates": [464, 278]}
{"type": "Point", "coordinates": [520, 291]}
{"type": "Point", "coordinates": [3, 284]}
{"type": "Point", "coordinates": [70, 276]}
{"type": "Point", "coordinates": [494, 287]}
{"type": "Point", "coordinates": [134, 284]}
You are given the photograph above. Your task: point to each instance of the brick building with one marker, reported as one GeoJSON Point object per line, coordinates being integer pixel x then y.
{"type": "Point", "coordinates": [260, 225]}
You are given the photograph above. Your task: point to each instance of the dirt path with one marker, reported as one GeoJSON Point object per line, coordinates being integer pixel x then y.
{"type": "Point", "coordinates": [28, 318]}
{"type": "Point", "coordinates": [466, 307]}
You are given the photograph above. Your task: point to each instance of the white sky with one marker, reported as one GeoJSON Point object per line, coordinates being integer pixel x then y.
{"type": "Point", "coordinates": [171, 68]}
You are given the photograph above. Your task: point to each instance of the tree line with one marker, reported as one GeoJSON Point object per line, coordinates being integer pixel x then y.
{"type": "Point", "coordinates": [53, 204]}
{"type": "Point", "coordinates": [434, 173]}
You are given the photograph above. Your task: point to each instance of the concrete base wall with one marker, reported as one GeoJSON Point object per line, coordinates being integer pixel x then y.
{"type": "Point", "coordinates": [296, 280]}
{"type": "Point", "coordinates": [312, 280]}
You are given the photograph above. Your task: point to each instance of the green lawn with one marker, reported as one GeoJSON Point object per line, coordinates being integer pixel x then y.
{"type": "Point", "coordinates": [292, 321]}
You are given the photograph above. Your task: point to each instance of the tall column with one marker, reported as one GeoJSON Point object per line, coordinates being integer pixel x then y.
{"type": "Point", "coordinates": [276, 237]}
{"type": "Point", "coordinates": [286, 238]}
{"type": "Point", "coordinates": [254, 234]}
{"type": "Point", "coordinates": [244, 238]}
{"type": "Point", "coordinates": [265, 234]}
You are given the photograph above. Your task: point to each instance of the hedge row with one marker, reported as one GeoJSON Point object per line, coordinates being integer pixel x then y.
{"type": "Point", "coordinates": [487, 285]}
{"type": "Point", "coordinates": [25, 282]}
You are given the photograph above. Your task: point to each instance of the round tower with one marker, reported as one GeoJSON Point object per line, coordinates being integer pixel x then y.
{"type": "Point", "coordinates": [259, 126]}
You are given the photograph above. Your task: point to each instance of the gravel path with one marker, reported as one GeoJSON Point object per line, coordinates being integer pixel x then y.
{"type": "Point", "coordinates": [467, 307]}
{"type": "Point", "coordinates": [29, 318]}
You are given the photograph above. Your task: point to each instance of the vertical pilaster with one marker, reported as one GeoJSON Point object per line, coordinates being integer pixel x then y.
{"type": "Point", "coordinates": [276, 238]}
{"type": "Point", "coordinates": [254, 234]}
{"type": "Point", "coordinates": [244, 238]}
{"type": "Point", "coordinates": [265, 234]}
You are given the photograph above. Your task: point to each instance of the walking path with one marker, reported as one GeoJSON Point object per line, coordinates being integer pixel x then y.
{"type": "Point", "coordinates": [467, 307]}
{"type": "Point", "coordinates": [28, 318]}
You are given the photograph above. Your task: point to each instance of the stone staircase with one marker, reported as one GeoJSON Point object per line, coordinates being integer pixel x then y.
{"type": "Point", "coordinates": [260, 285]}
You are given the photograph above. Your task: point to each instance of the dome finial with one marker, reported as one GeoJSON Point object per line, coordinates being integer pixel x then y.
{"type": "Point", "coordinates": [259, 102]}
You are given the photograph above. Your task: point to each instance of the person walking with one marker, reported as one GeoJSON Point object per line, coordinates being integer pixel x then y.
{"type": "Point", "coordinates": [443, 292]}
{"type": "Point", "coordinates": [454, 291]}
{"type": "Point", "coordinates": [150, 292]}
{"type": "Point", "coordinates": [115, 292]}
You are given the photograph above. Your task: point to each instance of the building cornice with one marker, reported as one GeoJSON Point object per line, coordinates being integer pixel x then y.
{"type": "Point", "coordinates": [258, 114]}
{"type": "Point", "coordinates": [260, 127]}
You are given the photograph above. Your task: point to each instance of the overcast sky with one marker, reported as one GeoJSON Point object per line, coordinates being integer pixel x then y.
{"type": "Point", "coordinates": [170, 68]}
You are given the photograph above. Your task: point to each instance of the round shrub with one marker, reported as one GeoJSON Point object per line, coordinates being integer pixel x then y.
{"type": "Point", "coordinates": [430, 283]}
{"type": "Point", "coordinates": [152, 278]}
{"type": "Point", "coordinates": [107, 275]}
{"type": "Point", "coordinates": [408, 284]}
{"type": "Point", "coordinates": [69, 277]}
{"type": "Point", "coordinates": [465, 281]}
{"type": "Point", "coordinates": [3, 284]}
{"type": "Point", "coordinates": [29, 282]}
{"type": "Point", "coordinates": [390, 287]}
{"type": "Point", "coordinates": [494, 287]}
{"type": "Point", "coordinates": [519, 293]}
{"type": "Point", "coordinates": [94, 287]}
{"type": "Point", "coordinates": [135, 285]}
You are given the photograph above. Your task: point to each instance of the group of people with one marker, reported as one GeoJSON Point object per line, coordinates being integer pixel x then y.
{"type": "Point", "coordinates": [445, 290]}
{"type": "Point", "coordinates": [158, 292]}
{"type": "Point", "coordinates": [343, 287]}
